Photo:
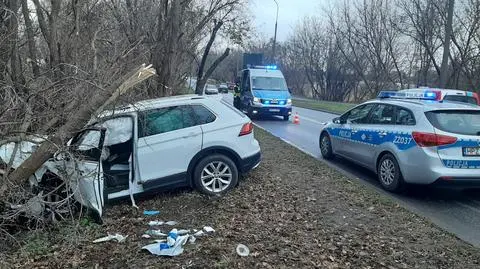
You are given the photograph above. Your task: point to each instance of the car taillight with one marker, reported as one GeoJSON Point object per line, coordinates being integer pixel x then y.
{"type": "Point", "coordinates": [247, 128]}
{"type": "Point", "coordinates": [475, 95]}
{"type": "Point", "coordinates": [432, 140]}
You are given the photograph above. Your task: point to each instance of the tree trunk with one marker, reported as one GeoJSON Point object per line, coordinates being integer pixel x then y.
{"type": "Point", "coordinates": [201, 83]}
{"type": "Point", "coordinates": [446, 45]}
{"type": "Point", "coordinates": [200, 75]}
{"type": "Point", "coordinates": [32, 50]}
{"type": "Point", "coordinates": [75, 123]}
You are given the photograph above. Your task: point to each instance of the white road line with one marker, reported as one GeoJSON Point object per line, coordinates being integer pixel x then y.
{"type": "Point", "coordinates": [311, 120]}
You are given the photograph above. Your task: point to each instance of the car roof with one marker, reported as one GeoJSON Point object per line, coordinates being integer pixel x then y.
{"type": "Point", "coordinates": [151, 104]}
{"type": "Point", "coordinates": [427, 105]}
{"type": "Point", "coordinates": [257, 72]}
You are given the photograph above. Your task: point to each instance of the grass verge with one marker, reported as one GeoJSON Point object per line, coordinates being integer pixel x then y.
{"type": "Point", "coordinates": [292, 211]}
{"type": "Point", "coordinates": [332, 107]}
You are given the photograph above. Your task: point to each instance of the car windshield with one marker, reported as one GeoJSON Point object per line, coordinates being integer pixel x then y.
{"type": "Point", "coordinates": [269, 84]}
{"type": "Point", "coordinates": [460, 98]}
{"type": "Point", "coordinates": [465, 122]}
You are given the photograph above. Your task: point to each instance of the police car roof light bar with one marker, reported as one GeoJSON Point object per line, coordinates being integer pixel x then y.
{"type": "Point", "coordinates": [268, 67]}
{"type": "Point", "coordinates": [426, 95]}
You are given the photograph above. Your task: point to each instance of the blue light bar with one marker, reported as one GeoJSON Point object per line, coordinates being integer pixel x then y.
{"type": "Point", "coordinates": [425, 95]}
{"type": "Point", "coordinates": [268, 67]}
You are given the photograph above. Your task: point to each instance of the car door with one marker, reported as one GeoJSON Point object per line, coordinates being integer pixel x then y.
{"type": "Point", "coordinates": [168, 138]}
{"type": "Point", "coordinates": [381, 129]}
{"type": "Point", "coordinates": [354, 130]}
{"type": "Point", "coordinates": [85, 169]}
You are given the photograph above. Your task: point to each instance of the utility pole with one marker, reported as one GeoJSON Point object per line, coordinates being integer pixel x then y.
{"type": "Point", "coordinates": [275, 36]}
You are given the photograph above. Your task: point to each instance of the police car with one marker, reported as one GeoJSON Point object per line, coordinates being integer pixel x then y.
{"type": "Point", "coordinates": [409, 137]}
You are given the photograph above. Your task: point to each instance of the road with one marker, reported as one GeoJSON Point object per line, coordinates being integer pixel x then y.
{"type": "Point", "coordinates": [455, 211]}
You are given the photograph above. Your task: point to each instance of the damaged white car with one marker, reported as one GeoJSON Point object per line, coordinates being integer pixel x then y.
{"type": "Point", "coordinates": [150, 146]}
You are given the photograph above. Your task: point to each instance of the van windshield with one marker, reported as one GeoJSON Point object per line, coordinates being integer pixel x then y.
{"type": "Point", "coordinates": [269, 84]}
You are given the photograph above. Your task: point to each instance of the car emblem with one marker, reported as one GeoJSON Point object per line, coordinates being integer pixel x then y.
{"type": "Point", "coordinates": [364, 137]}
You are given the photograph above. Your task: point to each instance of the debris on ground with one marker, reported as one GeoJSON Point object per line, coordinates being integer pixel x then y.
{"type": "Point", "coordinates": [164, 249]}
{"type": "Point", "coordinates": [208, 229]}
{"type": "Point", "coordinates": [159, 223]}
{"type": "Point", "coordinates": [155, 233]}
{"type": "Point", "coordinates": [151, 212]}
{"type": "Point", "coordinates": [242, 250]}
{"type": "Point", "coordinates": [120, 238]}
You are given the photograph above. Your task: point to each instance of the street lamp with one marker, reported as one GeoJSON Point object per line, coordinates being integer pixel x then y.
{"type": "Point", "coordinates": [275, 36]}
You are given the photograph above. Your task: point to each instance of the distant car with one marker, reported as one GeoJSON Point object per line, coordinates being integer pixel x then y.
{"type": "Point", "coordinates": [223, 88]}
{"type": "Point", "coordinates": [211, 89]}
{"type": "Point", "coordinates": [450, 95]}
{"type": "Point", "coordinates": [409, 137]}
{"type": "Point", "coordinates": [152, 145]}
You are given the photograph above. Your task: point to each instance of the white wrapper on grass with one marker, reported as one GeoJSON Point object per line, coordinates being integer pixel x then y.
{"type": "Point", "coordinates": [175, 250]}
{"type": "Point", "coordinates": [199, 233]}
{"type": "Point", "coordinates": [183, 232]}
{"type": "Point", "coordinates": [120, 238]}
{"type": "Point", "coordinates": [208, 229]}
{"type": "Point", "coordinates": [155, 223]}
{"type": "Point", "coordinates": [146, 236]}
{"type": "Point", "coordinates": [171, 223]}
{"type": "Point", "coordinates": [192, 239]}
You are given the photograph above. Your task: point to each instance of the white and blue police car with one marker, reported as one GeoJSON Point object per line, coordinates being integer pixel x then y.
{"type": "Point", "coordinates": [409, 137]}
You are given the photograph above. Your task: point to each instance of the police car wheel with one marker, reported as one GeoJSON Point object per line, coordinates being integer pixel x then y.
{"type": "Point", "coordinates": [326, 147]}
{"type": "Point", "coordinates": [389, 173]}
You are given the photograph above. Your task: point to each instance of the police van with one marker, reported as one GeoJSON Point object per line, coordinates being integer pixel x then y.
{"type": "Point", "coordinates": [263, 91]}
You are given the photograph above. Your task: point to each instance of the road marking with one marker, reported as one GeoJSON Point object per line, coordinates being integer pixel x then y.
{"type": "Point", "coordinates": [311, 120]}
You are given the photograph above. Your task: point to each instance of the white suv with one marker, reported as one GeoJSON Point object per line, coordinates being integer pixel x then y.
{"type": "Point", "coordinates": [169, 142]}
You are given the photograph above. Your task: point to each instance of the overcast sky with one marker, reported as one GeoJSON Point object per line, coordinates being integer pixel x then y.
{"type": "Point", "coordinates": [290, 12]}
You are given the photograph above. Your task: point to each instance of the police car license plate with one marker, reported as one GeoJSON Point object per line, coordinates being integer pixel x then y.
{"type": "Point", "coordinates": [274, 110]}
{"type": "Point", "coordinates": [471, 151]}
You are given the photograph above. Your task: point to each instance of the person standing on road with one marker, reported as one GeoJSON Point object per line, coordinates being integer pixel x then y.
{"type": "Point", "coordinates": [236, 96]}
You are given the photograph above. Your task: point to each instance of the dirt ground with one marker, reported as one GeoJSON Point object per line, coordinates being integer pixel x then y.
{"type": "Point", "coordinates": [292, 211]}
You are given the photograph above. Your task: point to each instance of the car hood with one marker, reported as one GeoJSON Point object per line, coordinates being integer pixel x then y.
{"type": "Point", "coordinates": [266, 94]}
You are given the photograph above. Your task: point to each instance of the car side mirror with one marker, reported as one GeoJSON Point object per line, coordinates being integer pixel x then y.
{"type": "Point", "coordinates": [339, 120]}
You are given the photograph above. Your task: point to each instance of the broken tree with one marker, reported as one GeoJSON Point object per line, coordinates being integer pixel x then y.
{"type": "Point", "coordinates": [76, 122]}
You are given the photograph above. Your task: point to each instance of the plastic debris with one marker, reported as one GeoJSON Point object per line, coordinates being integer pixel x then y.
{"type": "Point", "coordinates": [242, 250]}
{"type": "Point", "coordinates": [208, 229]}
{"type": "Point", "coordinates": [155, 233]}
{"type": "Point", "coordinates": [120, 238]}
{"type": "Point", "coordinates": [161, 250]}
{"type": "Point", "coordinates": [146, 236]}
{"type": "Point", "coordinates": [160, 241]}
{"type": "Point", "coordinates": [199, 233]}
{"type": "Point", "coordinates": [183, 232]}
{"type": "Point", "coordinates": [171, 223]}
{"type": "Point", "coordinates": [155, 223]}
{"type": "Point", "coordinates": [192, 239]}
{"type": "Point", "coordinates": [151, 212]}
{"type": "Point", "coordinates": [172, 237]}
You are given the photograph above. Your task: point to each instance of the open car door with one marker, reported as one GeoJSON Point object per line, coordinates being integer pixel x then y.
{"type": "Point", "coordinates": [86, 169]}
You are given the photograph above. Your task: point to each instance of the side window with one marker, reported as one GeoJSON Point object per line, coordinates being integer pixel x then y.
{"type": "Point", "coordinates": [404, 117]}
{"type": "Point", "coordinates": [203, 115]}
{"type": "Point", "coordinates": [359, 114]}
{"type": "Point", "coordinates": [87, 144]}
{"type": "Point", "coordinates": [382, 114]}
{"type": "Point", "coordinates": [164, 120]}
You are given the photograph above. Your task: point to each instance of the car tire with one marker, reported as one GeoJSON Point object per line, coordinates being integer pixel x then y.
{"type": "Point", "coordinates": [326, 146]}
{"type": "Point", "coordinates": [389, 174]}
{"type": "Point", "coordinates": [286, 117]}
{"type": "Point", "coordinates": [215, 175]}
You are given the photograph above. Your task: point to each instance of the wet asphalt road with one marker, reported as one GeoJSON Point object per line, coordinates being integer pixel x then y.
{"type": "Point", "coordinates": [456, 211]}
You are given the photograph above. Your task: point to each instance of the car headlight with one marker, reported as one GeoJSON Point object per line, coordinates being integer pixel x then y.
{"type": "Point", "coordinates": [256, 100]}
{"type": "Point", "coordinates": [289, 101]}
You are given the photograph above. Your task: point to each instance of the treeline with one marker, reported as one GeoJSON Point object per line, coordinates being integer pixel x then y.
{"type": "Point", "coordinates": [356, 48]}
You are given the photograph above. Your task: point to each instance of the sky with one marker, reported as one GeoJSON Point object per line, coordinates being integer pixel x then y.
{"type": "Point", "coordinates": [289, 13]}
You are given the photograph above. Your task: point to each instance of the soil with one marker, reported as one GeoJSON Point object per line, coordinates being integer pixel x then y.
{"type": "Point", "coordinates": [292, 211]}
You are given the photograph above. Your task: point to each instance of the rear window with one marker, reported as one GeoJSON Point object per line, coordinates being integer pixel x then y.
{"type": "Point", "coordinates": [460, 98]}
{"type": "Point", "coordinates": [463, 122]}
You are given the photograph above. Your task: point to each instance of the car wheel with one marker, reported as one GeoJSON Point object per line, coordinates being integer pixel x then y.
{"type": "Point", "coordinates": [215, 175]}
{"type": "Point", "coordinates": [286, 117]}
{"type": "Point", "coordinates": [326, 147]}
{"type": "Point", "coordinates": [389, 174]}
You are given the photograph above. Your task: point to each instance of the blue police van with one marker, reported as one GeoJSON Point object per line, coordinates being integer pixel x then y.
{"type": "Point", "coordinates": [263, 91]}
